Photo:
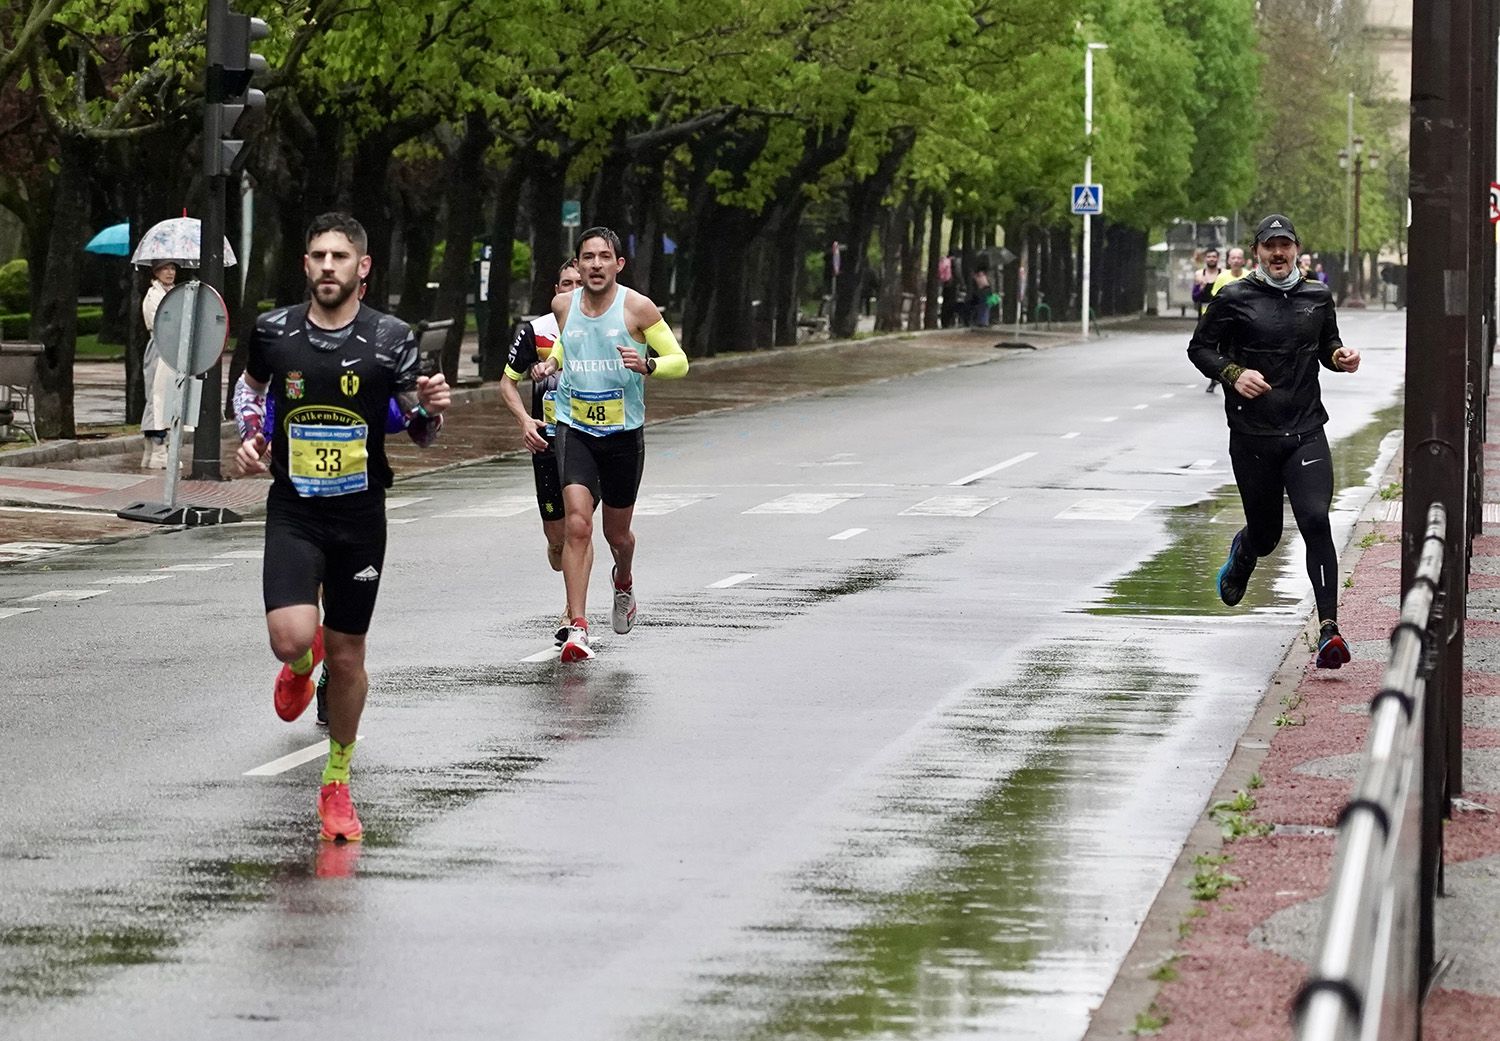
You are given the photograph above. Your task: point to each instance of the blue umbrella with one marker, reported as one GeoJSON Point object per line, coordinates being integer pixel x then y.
{"type": "Point", "coordinates": [113, 240]}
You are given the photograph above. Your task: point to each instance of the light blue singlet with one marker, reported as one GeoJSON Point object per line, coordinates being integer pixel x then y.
{"type": "Point", "coordinates": [596, 393]}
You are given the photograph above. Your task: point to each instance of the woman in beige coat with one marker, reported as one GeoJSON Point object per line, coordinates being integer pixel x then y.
{"type": "Point", "coordinates": [156, 419]}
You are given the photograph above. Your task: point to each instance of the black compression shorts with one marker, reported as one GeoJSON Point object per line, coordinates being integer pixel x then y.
{"type": "Point", "coordinates": [340, 552]}
{"type": "Point", "coordinates": [548, 486]}
{"type": "Point", "coordinates": [610, 466]}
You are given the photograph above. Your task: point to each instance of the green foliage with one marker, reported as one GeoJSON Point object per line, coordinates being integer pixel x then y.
{"type": "Point", "coordinates": [1233, 817]}
{"type": "Point", "coordinates": [1150, 1022]}
{"type": "Point", "coordinates": [520, 261]}
{"type": "Point", "coordinates": [1211, 879]}
{"type": "Point", "coordinates": [15, 286]}
{"type": "Point", "coordinates": [18, 326]}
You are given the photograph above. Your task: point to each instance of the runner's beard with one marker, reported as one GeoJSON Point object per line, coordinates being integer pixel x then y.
{"type": "Point", "coordinates": [340, 292]}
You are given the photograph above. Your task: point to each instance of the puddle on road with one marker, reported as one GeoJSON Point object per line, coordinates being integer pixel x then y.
{"type": "Point", "coordinates": [966, 904]}
{"type": "Point", "coordinates": [1180, 579]}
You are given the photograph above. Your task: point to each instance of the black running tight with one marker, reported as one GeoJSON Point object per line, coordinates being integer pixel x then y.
{"type": "Point", "coordinates": [1299, 467]}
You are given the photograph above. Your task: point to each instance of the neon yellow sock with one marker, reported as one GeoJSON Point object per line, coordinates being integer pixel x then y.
{"type": "Point", "coordinates": [303, 665]}
{"type": "Point", "coordinates": [337, 768]}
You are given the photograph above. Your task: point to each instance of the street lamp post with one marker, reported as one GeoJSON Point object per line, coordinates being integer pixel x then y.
{"type": "Point", "coordinates": [1088, 166]}
{"type": "Point", "coordinates": [1357, 269]}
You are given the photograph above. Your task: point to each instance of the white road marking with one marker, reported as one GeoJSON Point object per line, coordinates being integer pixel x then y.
{"type": "Point", "coordinates": [400, 502]}
{"type": "Point", "coordinates": [1069, 435]}
{"type": "Point", "coordinates": [11, 612]}
{"type": "Point", "coordinates": [805, 502]}
{"type": "Point", "coordinates": [295, 759]}
{"type": "Point", "coordinates": [11, 552]}
{"type": "Point", "coordinates": [550, 654]}
{"type": "Point", "coordinates": [1139, 407]}
{"type": "Point", "coordinates": [197, 567]}
{"type": "Point", "coordinates": [659, 504]}
{"type": "Point", "coordinates": [847, 533]}
{"type": "Point", "coordinates": [1108, 419]}
{"type": "Point", "coordinates": [65, 594]}
{"type": "Point", "coordinates": [1168, 394]}
{"type": "Point", "coordinates": [241, 554]}
{"type": "Point", "coordinates": [1012, 461]}
{"type": "Point", "coordinates": [838, 459]}
{"type": "Point", "coordinates": [1105, 509]}
{"type": "Point", "coordinates": [732, 580]}
{"type": "Point", "coordinates": [950, 506]}
{"type": "Point", "coordinates": [506, 506]}
{"type": "Point", "coordinates": [402, 520]}
{"type": "Point", "coordinates": [1201, 464]}
{"type": "Point", "coordinates": [129, 580]}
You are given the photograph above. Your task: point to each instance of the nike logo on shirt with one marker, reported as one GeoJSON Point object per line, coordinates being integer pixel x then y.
{"type": "Point", "coordinates": [349, 361]}
{"type": "Point", "coordinates": [1309, 462]}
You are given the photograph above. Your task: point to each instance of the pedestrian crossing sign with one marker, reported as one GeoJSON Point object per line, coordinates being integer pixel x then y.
{"type": "Point", "coordinates": [1088, 199]}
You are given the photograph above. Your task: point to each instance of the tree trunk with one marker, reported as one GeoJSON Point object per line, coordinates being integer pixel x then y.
{"type": "Point", "coordinates": [465, 209]}
{"type": "Point", "coordinates": [913, 285]}
{"type": "Point", "coordinates": [371, 205]}
{"type": "Point", "coordinates": [548, 245]}
{"type": "Point", "coordinates": [893, 235]}
{"type": "Point", "coordinates": [55, 320]}
{"type": "Point", "coordinates": [494, 349]}
{"type": "Point", "coordinates": [866, 199]}
{"type": "Point", "coordinates": [934, 254]}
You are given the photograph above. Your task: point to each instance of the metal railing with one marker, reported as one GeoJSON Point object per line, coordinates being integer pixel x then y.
{"type": "Point", "coordinates": [1375, 954]}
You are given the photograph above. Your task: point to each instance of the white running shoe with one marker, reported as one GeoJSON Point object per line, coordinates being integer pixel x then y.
{"type": "Point", "coordinates": [576, 646]}
{"type": "Point", "coordinates": [560, 637]}
{"type": "Point", "coordinates": [622, 616]}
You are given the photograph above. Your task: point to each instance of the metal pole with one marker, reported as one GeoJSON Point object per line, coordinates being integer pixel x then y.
{"type": "Point", "coordinates": [1088, 170]}
{"type": "Point", "coordinates": [211, 269]}
{"type": "Point", "coordinates": [1349, 198]}
{"type": "Point", "coordinates": [1439, 306]}
{"type": "Point", "coordinates": [1357, 282]}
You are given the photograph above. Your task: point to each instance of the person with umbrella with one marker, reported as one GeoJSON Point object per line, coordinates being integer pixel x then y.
{"type": "Point", "coordinates": [156, 418]}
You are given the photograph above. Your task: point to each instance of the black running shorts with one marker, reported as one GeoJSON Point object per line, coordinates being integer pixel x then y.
{"type": "Point", "coordinates": [609, 466]}
{"type": "Point", "coordinates": [341, 552]}
{"type": "Point", "coordinates": [548, 486]}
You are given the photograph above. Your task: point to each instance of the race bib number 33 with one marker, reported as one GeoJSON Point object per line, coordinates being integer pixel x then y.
{"type": "Point", "coordinates": [598, 411]}
{"type": "Point", "coordinates": [327, 460]}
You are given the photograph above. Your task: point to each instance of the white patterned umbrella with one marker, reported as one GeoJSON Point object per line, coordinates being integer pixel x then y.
{"type": "Point", "coordinates": [176, 240]}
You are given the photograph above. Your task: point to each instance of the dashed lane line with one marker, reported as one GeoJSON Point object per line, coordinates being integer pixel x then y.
{"type": "Point", "coordinates": [58, 595]}
{"type": "Point", "coordinates": [293, 760]}
{"type": "Point", "coordinates": [1012, 461]}
{"type": "Point", "coordinates": [732, 580]}
{"type": "Point", "coordinates": [847, 533]}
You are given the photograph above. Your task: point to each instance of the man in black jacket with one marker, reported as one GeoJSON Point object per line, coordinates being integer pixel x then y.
{"type": "Point", "coordinates": [1264, 337]}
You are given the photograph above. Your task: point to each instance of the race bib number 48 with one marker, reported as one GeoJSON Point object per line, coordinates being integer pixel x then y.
{"type": "Point", "coordinates": [598, 411]}
{"type": "Point", "coordinates": [327, 460]}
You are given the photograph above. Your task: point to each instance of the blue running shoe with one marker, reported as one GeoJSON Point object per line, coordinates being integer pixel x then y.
{"type": "Point", "coordinates": [1234, 575]}
{"type": "Point", "coordinates": [1333, 652]}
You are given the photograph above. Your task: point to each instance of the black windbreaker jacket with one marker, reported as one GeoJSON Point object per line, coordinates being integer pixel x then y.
{"type": "Point", "coordinates": [1284, 334]}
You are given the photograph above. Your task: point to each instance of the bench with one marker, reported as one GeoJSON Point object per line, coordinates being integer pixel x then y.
{"type": "Point", "coordinates": [430, 339]}
{"type": "Point", "coordinates": [18, 367]}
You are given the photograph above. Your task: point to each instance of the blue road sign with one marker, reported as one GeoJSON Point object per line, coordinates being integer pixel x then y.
{"type": "Point", "coordinates": [1088, 199]}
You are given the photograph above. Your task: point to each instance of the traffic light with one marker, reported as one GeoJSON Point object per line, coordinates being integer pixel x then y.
{"type": "Point", "coordinates": [231, 67]}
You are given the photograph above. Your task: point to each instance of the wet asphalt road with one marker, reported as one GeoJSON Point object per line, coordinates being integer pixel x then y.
{"type": "Point", "coordinates": [927, 689]}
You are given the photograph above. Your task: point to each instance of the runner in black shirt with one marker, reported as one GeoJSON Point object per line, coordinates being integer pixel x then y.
{"type": "Point", "coordinates": [532, 345]}
{"type": "Point", "coordinates": [331, 368]}
{"type": "Point", "coordinates": [1265, 337]}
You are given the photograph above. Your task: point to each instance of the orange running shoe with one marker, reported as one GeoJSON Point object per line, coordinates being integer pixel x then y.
{"type": "Point", "coordinates": [293, 692]}
{"type": "Point", "coordinates": [336, 811]}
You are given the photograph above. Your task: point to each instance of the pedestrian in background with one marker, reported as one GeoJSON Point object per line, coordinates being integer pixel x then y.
{"type": "Point", "coordinates": [1236, 271]}
{"type": "Point", "coordinates": [1204, 279]}
{"type": "Point", "coordinates": [1265, 337]}
{"type": "Point", "coordinates": [980, 294]}
{"type": "Point", "coordinates": [156, 418]}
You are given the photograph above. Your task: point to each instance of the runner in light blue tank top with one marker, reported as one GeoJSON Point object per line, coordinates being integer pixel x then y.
{"type": "Point", "coordinates": [596, 393]}
{"type": "Point", "coordinates": [600, 409]}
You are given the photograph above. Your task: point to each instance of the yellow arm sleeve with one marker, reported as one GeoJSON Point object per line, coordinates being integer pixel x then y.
{"type": "Point", "coordinates": [671, 361]}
